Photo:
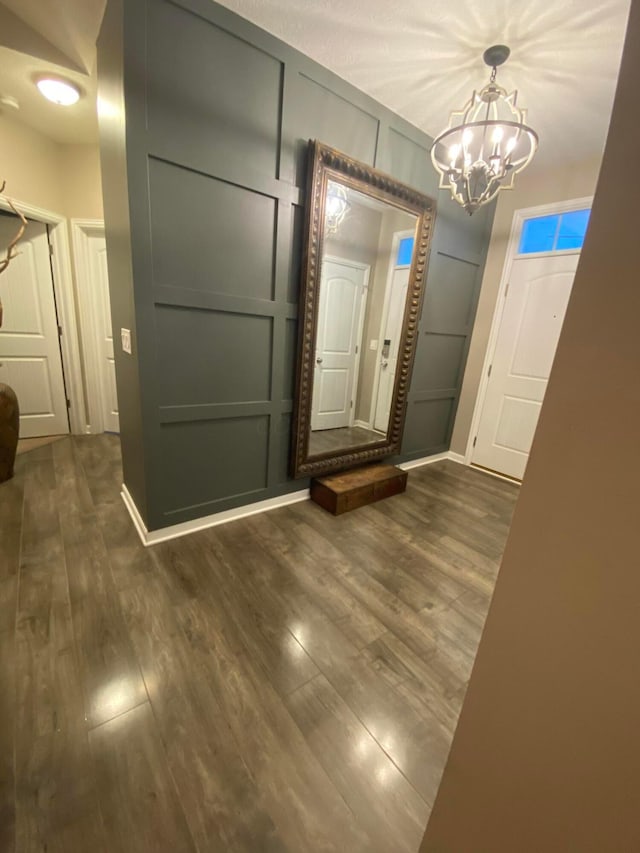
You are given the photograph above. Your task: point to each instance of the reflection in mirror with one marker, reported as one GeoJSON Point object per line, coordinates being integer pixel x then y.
{"type": "Point", "coordinates": [364, 265]}
{"type": "Point", "coordinates": [364, 275]}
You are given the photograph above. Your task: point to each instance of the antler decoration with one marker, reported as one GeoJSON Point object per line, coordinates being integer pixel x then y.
{"type": "Point", "coordinates": [11, 248]}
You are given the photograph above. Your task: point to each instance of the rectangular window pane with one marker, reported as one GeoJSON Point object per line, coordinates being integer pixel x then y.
{"type": "Point", "coordinates": [573, 227]}
{"type": "Point", "coordinates": [538, 234]}
{"type": "Point", "coordinates": [405, 252]}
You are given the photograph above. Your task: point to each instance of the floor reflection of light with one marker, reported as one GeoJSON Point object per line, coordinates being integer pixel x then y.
{"type": "Point", "coordinates": [299, 631]}
{"type": "Point", "coordinates": [387, 742]}
{"type": "Point", "coordinates": [114, 698]}
{"type": "Point", "coordinates": [292, 647]}
{"type": "Point", "coordinates": [364, 745]}
{"type": "Point", "coordinates": [384, 774]}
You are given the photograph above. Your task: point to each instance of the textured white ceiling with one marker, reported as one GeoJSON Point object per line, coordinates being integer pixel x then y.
{"type": "Point", "coordinates": [423, 58]}
{"type": "Point", "coordinates": [76, 124]}
{"type": "Point", "coordinates": [71, 25]}
{"type": "Point", "coordinates": [54, 37]}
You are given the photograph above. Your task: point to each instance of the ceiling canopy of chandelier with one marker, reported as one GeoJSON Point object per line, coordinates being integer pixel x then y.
{"type": "Point", "coordinates": [487, 142]}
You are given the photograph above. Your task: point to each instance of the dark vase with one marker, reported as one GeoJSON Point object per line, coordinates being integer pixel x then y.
{"type": "Point", "coordinates": [9, 430]}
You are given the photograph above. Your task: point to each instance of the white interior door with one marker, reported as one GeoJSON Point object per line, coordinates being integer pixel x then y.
{"type": "Point", "coordinates": [342, 288]}
{"type": "Point", "coordinates": [30, 359]}
{"type": "Point", "coordinates": [535, 305]}
{"type": "Point", "coordinates": [390, 346]}
{"type": "Point", "coordinates": [97, 256]}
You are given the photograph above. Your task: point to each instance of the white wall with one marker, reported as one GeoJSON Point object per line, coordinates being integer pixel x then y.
{"type": "Point", "coordinates": [533, 187]}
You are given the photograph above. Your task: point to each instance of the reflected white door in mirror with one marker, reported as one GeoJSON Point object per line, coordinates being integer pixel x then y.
{"type": "Point", "coordinates": [343, 294]}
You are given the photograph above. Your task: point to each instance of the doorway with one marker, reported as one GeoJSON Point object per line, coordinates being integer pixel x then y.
{"type": "Point", "coordinates": [90, 252]}
{"type": "Point", "coordinates": [539, 272]}
{"type": "Point", "coordinates": [30, 355]}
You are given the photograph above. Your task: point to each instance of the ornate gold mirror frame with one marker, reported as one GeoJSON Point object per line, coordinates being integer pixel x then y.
{"type": "Point", "coordinates": [326, 164]}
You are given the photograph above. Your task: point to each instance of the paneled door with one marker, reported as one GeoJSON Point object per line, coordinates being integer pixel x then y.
{"type": "Point", "coordinates": [390, 346]}
{"type": "Point", "coordinates": [340, 317]}
{"type": "Point", "coordinates": [536, 301]}
{"type": "Point", "coordinates": [97, 257]}
{"type": "Point", "coordinates": [30, 359]}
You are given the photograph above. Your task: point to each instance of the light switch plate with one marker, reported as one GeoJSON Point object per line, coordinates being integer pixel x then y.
{"type": "Point", "coordinates": [125, 335]}
{"type": "Point", "coordinates": [373, 345]}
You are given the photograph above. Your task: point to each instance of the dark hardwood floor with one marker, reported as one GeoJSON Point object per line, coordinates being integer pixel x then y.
{"type": "Point", "coordinates": [287, 682]}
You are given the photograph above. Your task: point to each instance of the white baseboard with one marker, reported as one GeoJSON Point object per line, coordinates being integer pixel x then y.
{"type": "Point", "coordinates": [153, 537]}
{"type": "Point", "coordinates": [457, 457]}
{"type": "Point", "coordinates": [423, 460]}
{"type": "Point", "coordinates": [429, 460]}
{"type": "Point", "coordinates": [175, 530]}
{"type": "Point", "coordinates": [362, 424]}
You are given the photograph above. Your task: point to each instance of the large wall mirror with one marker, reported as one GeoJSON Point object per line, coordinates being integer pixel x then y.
{"type": "Point", "coordinates": [365, 258]}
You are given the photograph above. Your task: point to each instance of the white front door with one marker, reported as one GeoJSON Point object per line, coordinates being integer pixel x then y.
{"type": "Point", "coordinates": [30, 359]}
{"type": "Point", "coordinates": [97, 255]}
{"type": "Point", "coordinates": [535, 305]}
{"type": "Point", "coordinates": [390, 346]}
{"type": "Point", "coordinates": [342, 288]}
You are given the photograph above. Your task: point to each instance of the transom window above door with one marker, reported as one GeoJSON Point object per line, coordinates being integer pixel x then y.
{"type": "Point", "coordinates": [405, 252]}
{"type": "Point", "coordinates": [560, 232]}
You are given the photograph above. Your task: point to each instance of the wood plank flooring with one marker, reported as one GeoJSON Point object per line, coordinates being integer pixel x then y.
{"type": "Point", "coordinates": [286, 683]}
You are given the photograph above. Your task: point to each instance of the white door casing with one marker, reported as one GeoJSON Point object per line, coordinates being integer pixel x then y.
{"type": "Point", "coordinates": [97, 340]}
{"type": "Point", "coordinates": [65, 302]}
{"type": "Point", "coordinates": [534, 309]}
{"type": "Point", "coordinates": [342, 298]}
{"type": "Point", "coordinates": [30, 358]}
{"type": "Point", "coordinates": [389, 353]}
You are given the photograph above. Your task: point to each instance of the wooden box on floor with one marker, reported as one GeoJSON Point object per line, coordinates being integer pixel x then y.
{"type": "Point", "coordinates": [349, 490]}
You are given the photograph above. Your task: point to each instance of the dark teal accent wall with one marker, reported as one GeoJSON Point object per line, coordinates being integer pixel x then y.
{"type": "Point", "coordinates": [204, 129]}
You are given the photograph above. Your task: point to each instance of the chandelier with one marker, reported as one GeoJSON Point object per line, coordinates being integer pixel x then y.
{"type": "Point", "coordinates": [336, 207]}
{"type": "Point", "coordinates": [487, 142]}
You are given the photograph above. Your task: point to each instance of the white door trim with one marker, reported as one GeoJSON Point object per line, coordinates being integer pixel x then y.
{"type": "Point", "coordinates": [395, 243]}
{"type": "Point", "coordinates": [81, 231]}
{"type": "Point", "coordinates": [519, 217]}
{"type": "Point", "coordinates": [63, 290]}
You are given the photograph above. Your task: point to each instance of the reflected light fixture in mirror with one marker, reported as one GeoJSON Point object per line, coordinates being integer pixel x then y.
{"type": "Point", "coordinates": [364, 266]}
{"type": "Point", "coordinates": [336, 207]}
{"type": "Point", "coordinates": [487, 142]}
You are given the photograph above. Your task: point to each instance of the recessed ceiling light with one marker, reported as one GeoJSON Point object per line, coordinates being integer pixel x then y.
{"type": "Point", "coordinates": [59, 91]}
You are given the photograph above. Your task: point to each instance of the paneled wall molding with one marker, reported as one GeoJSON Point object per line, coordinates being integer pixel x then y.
{"type": "Point", "coordinates": [180, 297]}
{"type": "Point", "coordinates": [236, 174]}
{"type": "Point", "coordinates": [212, 193]}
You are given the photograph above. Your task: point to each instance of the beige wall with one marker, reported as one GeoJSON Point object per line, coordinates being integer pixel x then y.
{"type": "Point", "coordinates": [64, 179]}
{"type": "Point", "coordinates": [82, 187]}
{"type": "Point", "coordinates": [546, 756]}
{"type": "Point", "coordinates": [533, 188]}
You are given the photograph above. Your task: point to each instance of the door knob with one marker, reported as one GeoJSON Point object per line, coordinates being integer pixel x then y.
{"type": "Point", "coordinates": [318, 361]}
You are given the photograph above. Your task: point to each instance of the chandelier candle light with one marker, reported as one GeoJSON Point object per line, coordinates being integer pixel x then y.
{"type": "Point", "coordinates": [487, 142]}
